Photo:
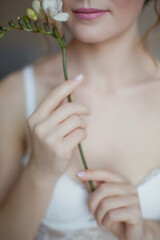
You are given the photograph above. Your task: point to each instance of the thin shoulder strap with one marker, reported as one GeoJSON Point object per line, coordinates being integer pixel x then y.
{"type": "Point", "coordinates": [30, 102]}
{"type": "Point", "coordinates": [29, 87]}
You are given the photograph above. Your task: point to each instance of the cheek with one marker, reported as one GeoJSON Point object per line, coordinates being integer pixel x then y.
{"type": "Point", "coordinates": [66, 5]}
{"type": "Point", "coordinates": [127, 9]}
{"type": "Point", "coordinates": [127, 3]}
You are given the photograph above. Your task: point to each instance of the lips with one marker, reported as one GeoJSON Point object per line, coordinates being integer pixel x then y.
{"type": "Point", "coordinates": [88, 10]}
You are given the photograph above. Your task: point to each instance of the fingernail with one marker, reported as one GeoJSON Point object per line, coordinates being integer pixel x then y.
{"type": "Point", "coordinates": [78, 78]}
{"type": "Point", "coordinates": [81, 173]}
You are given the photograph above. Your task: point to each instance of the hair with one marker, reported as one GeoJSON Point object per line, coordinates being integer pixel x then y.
{"type": "Point", "coordinates": [151, 29]}
{"type": "Point", "coordinates": [157, 11]}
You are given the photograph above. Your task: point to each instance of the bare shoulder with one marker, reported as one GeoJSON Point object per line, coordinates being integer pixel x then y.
{"type": "Point", "coordinates": [12, 98]}
{"type": "Point", "coordinates": [12, 106]}
{"type": "Point", "coordinates": [12, 128]}
{"type": "Point", "coordinates": [47, 73]}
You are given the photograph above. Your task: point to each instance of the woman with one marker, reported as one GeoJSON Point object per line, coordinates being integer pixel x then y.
{"type": "Point", "coordinates": [49, 198]}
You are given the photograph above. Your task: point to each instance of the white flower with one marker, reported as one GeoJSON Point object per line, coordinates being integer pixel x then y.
{"type": "Point", "coordinates": [53, 9]}
{"type": "Point", "coordinates": [36, 5]}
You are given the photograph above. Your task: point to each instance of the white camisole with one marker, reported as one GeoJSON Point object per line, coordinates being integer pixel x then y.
{"type": "Point", "coordinates": [68, 212]}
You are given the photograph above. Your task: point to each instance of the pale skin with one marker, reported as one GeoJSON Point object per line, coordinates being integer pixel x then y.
{"type": "Point", "coordinates": [121, 94]}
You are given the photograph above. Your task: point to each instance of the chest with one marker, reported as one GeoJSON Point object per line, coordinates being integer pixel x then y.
{"type": "Point", "coordinates": [123, 136]}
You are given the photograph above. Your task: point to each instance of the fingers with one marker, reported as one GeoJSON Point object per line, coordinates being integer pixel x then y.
{"type": "Point", "coordinates": [99, 175]}
{"type": "Point", "coordinates": [73, 139]}
{"type": "Point", "coordinates": [65, 119]}
{"type": "Point", "coordinates": [64, 101]}
{"type": "Point", "coordinates": [70, 125]}
{"type": "Point", "coordinates": [52, 101]}
{"type": "Point", "coordinates": [130, 215]}
{"type": "Point", "coordinates": [110, 203]}
{"type": "Point", "coordinates": [117, 229]}
{"type": "Point", "coordinates": [108, 190]}
{"type": "Point", "coordinates": [68, 109]}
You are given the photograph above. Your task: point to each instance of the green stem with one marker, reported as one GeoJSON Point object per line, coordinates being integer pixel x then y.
{"type": "Point", "coordinates": [62, 43]}
{"type": "Point", "coordinates": [38, 30]}
{"type": "Point", "coordinates": [70, 100]}
{"type": "Point", "coordinates": [28, 30]}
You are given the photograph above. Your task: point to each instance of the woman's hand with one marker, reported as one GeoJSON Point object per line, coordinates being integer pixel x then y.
{"type": "Point", "coordinates": [55, 129]}
{"type": "Point", "coordinates": [115, 204]}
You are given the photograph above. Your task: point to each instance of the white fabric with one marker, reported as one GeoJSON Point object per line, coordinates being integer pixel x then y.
{"type": "Point", "coordinates": [29, 87]}
{"type": "Point", "coordinates": [30, 101]}
{"type": "Point", "coordinates": [70, 199]}
{"type": "Point", "coordinates": [149, 196]}
{"type": "Point", "coordinates": [68, 209]}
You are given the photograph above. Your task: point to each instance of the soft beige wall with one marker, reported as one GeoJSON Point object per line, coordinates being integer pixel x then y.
{"type": "Point", "coordinates": [19, 48]}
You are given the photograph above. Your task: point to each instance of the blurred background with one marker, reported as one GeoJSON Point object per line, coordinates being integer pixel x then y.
{"type": "Point", "coordinates": [18, 48]}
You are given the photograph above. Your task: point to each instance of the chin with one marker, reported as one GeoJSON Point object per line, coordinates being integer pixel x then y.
{"type": "Point", "coordinates": [89, 39]}
{"type": "Point", "coordinates": [93, 35]}
{"type": "Point", "coordinates": [90, 34]}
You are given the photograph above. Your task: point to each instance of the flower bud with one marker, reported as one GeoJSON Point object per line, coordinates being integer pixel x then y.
{"type": "Point", "coordinates": [36, 5]}
{"type": "Point", "coordinates": [31, 14]}
{"type": "Point", "coordinates": [1, 34]}
{"type": "Point", "coordinates": [3, 28]}
{"type": "Point", "coordinates": [27, 22]}
{"type": "Point", "coordinates": [11, 23]}
{"type": "Point", "coordinates": [46, 27]}
{"type": "Point", "coordinates": [37, 25]}
{"type": "Point", "coordinates": [20, 22]}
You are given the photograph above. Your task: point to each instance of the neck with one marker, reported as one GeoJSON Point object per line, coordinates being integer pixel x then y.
{"type": "Point", "coordinates": [112, 63]}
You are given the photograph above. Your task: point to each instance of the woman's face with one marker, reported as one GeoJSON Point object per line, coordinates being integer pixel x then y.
{"type": "Point", "coordinates": [120, 16]}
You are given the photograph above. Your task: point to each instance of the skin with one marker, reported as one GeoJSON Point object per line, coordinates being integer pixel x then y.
{"type": "Point", "coordinates": [122, 36]}
{"type": "Point", "coordinates": [115, 205]}
{"type": "Point", "coordinates": [123, 94]}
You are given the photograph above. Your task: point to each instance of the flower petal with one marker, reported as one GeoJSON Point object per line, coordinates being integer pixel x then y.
{"type": "Point", "coordinates": [60, 5]}
{"type": "Point", "coordinates": [48, 4]}
{"type": "Point", "coordinates": [36, 5]}
{"type": "Point", "coordinates": [63, 17]}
